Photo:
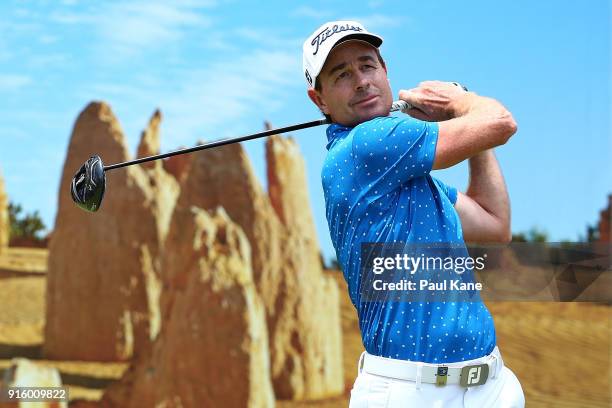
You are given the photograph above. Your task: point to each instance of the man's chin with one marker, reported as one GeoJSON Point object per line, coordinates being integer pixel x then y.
{"type": "Point", "coordinates": [363, 115]}
{"type": "Point", "coordinates": [373, 113]}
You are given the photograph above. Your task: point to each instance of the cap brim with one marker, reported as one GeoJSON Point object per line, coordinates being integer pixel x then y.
{"type": "Point", "coordinates": [369, 38]}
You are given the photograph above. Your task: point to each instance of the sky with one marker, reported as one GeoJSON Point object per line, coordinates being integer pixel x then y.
{"type": "Point", "coordinates": [218, 69]}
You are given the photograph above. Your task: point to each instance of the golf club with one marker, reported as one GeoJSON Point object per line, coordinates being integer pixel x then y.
{"type": "Point", "coordinates": [89, 183]}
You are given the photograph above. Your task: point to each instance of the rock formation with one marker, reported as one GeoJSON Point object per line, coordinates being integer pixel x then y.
{"type": "Point", "coordinates": [149, 140]}
{"type": "Point", "coordinates": [103, 269]}
{"type": "Point", "coordinates": [307, 327]}
{"type": "Point", "coordinates": [223, 177]}
{"type": "Point", "coordinates": [288, 188]}
{"type": "Point", "coordinates": [302, 308]}
{"type": "Point", "coordinates": [5, 225]}
{"type": "Point", "coordinates": [188, 294]}
{"type": "Point", "coordinates": [213, 347]}
{"type": "Point", "coordinates": [178, 166]}
{"type": "Point", "coordinates": [165, 186]}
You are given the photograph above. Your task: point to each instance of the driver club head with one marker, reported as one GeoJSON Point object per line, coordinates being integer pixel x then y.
{"type": "Point", "coordinates": [88, 185]}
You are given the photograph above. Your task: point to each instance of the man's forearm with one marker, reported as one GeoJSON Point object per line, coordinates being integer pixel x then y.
{"type": "Point", "coordinates": [487, 187]}
{"type": "Point", "coordinates": [478, 124]}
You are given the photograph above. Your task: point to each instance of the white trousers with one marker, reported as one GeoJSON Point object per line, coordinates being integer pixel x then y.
{"type": "Point", "coordinates": [374, 391]}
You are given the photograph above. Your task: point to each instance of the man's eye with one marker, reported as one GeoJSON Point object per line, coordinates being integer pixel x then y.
{"type": "Point", "coordinates": [342, 75]}
{"type": "Point", "coordinates": [369, 67]}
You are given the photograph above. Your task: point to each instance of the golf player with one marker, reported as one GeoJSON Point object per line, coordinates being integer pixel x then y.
{"type": "Point", "coordinates": [378, 189]}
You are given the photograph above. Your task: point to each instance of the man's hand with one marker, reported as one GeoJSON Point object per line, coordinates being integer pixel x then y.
{"type": "Point", "coordinates": [467, 123]}
{"type": "Point", "coordinates": [436, 101]}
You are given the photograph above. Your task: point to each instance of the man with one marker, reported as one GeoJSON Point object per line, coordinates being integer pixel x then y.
{"type": "Point", "coordinates": [378, 189]}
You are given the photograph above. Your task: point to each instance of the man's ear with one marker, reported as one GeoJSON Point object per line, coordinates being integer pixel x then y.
{"type": "Point", "coordinates": [318, 100]}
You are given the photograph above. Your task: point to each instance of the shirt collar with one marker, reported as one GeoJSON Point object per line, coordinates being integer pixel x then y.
{"type": "Point", "coordinates": [334, 131]}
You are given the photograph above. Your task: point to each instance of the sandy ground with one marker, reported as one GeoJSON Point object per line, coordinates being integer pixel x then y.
{"type": "Point", "coordinates": [561, 352]}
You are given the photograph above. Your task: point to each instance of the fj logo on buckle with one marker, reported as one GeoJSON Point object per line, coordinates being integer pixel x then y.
{"type": "Point", "coordinates": [474, 375]}
{"type": "Point", "coordinates": [441, 375]}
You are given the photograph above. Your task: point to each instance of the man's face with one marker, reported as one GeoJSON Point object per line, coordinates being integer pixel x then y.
{"type": "Point", "coordinates": [353, 85]}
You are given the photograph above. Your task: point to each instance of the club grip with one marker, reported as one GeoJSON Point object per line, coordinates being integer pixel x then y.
{"type": "Point", "coordinates": [400, 105]}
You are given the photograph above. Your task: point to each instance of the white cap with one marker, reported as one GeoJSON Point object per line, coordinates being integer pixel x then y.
{"type": "Point", "coordinates": [320, 43]}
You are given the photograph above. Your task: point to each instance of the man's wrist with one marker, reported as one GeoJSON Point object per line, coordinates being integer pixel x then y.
{"type": "Point", "coordinates": [481, 157]}
{"type": "Point", "coordinates": [464, 104]}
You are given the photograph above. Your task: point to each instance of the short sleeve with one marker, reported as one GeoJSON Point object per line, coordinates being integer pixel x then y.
{"type": "Point", "coordinates": [389, 151]}
{"type": "Point", "coordinates": [449, 191]}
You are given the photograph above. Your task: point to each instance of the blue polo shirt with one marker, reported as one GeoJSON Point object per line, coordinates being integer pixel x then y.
{"type": "Point", "coordinates": [378, 189]}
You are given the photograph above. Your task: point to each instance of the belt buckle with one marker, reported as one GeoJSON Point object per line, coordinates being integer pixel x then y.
{"type": "Point", "coordinates": [441, 375]}
{"type": "Point", "coordinates": [474, 375]}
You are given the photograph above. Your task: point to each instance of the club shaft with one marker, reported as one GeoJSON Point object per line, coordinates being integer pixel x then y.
{"type": "Point", "coordinates": [398, 105]}
{"type": "Point", "coordinates": [218, 143]}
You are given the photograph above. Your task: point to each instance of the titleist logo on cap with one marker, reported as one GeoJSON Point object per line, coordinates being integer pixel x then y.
{"type": "Point", "coordinates": [327, 32]}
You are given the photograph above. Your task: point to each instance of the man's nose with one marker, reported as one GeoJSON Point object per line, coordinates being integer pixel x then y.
{"type": "Point", "coordinates": [362, 81]}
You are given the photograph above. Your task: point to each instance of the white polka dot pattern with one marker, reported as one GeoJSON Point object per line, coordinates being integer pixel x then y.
{"type": "Point", "coordinates": [378, 188]}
